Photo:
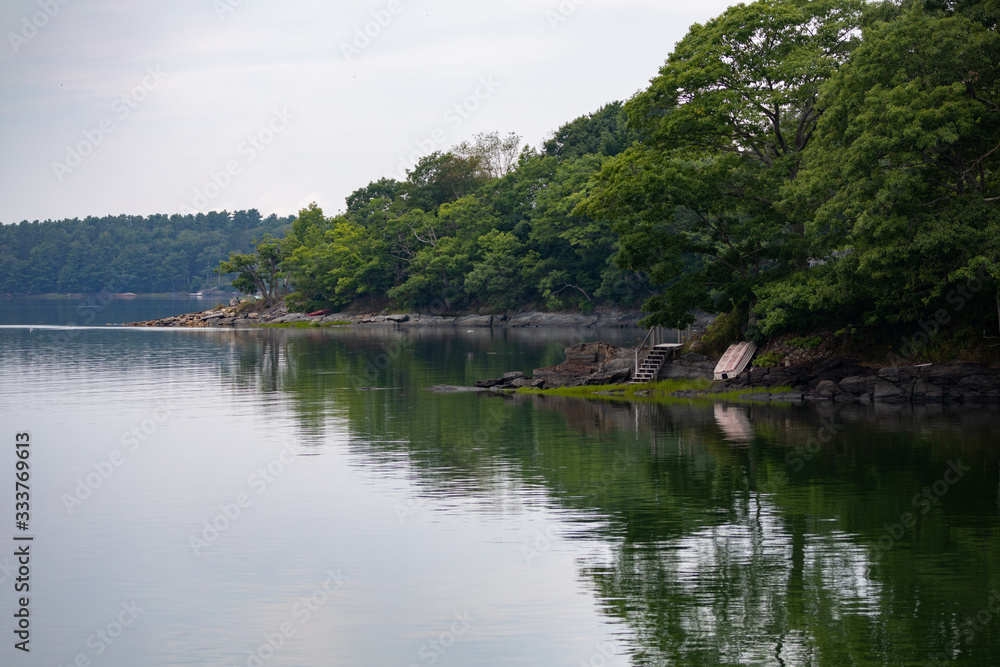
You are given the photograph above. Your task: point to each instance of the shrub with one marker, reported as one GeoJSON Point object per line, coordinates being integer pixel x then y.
{"type": "Point", "coordinates": [723, 332]}
{"type": "Point", "coordinates": [768, 360]}
{"type": "Point", "coordinates": [810, 343]}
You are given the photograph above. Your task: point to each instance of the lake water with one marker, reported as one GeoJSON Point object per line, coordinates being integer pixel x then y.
{"type": "Point", "coordinates": [296, 497]}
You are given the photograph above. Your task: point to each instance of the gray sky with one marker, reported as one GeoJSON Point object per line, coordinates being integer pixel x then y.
{"type": "Point", "coordinates": [166, 106]}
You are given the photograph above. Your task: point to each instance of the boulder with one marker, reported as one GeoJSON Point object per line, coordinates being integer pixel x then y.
{"type": "Point", "coordinates": [887, 392]}
{"type": "Point", "coordinates": [588, 363]}
{"type": "Point", "coordinates": [827, 388]}
{"type": "Point", "coordinates": [926, 392]}
{"type": "Point", "coordinates": [856, 384]}
{"type": "Point", "coordinates": [980, 383]}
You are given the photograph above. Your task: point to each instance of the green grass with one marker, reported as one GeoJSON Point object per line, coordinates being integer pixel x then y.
{"type": "Point", "coordinates": [302, 325]}
{"type": "Point", "coordinates": [654, 391]}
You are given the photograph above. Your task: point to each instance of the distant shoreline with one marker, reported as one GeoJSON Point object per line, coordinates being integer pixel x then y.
{"type": "Point", "coordinates": [278, 316]}
{"type": "Point", "coordinates": [122, 295]}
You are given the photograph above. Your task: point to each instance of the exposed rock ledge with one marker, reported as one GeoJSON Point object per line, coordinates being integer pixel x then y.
{"type": "Point", "coordinates": [586, 364]}
{"type": "Point", "coordinates": [847, 381]}
{"type": "Point", "coordinates": [232, 316]}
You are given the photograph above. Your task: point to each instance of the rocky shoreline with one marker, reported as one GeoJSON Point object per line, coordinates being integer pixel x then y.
{"type": "Point", "coordinates": [237, 315]}
{"type": "Point", "coordinates": [847, 381]}
{"type": "Point", "coordinates": [830, 379]}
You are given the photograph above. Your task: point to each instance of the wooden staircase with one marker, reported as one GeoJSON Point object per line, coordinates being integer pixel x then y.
{"type": "Point", "coordinates": [651, 365]}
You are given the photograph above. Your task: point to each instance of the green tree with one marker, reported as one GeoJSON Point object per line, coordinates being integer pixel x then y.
{"type": "Point", "coordinates": [906, 174]}
{"type": "Point", "coordinates": [347, 261]}
{"type": "Point", "coordinates": [259, 272]}
{"type": "Point", "coordinates": [501, 278]}
{"type": "Point", "coordinates": [604, 132]}
{"type": "Point", "coordinates": [723, 128]}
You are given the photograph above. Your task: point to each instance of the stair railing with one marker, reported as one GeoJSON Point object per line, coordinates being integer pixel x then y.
{"type": "Point", "coordinates": [651, 332]}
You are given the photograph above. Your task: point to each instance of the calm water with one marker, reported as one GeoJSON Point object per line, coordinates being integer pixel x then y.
{"type": "Point", "coordinates": [360, 520]}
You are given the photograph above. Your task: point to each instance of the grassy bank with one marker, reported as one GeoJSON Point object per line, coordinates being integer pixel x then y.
{"type": "Point", "coordinates": [662, 390]}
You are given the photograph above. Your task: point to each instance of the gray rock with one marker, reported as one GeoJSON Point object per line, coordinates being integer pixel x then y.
{"type": "Point", "coordinates": [521, 382]}
{"type": "Point", "coordinates": [856, 385]}
{"type": "Point", "coordinates": [889, 374]}
{"type": "Point", "coordinates": [943, 374]}
{"type": "Point", "coordinates": [513, 375]}
{"type": "Point", "coordinates": [691, 358]}
{"type": "Point", "coordinates": [927, 392]}
{"type": "Point", "coordinates": [397, 318]}
{"type": "Point", "coordinates": [429, 321]}
{"type": "Point", "coordinates": [827, 388]}
{"type": "Point", "coordinates": [887, 392]}
{"type": "Point", "coordinates": [619, 319]}
{"type": "Point", "coordinates": [536, 319]}
{"type": "Point", "coordinates": [474, 321]}
{"type": "Point", "coordinates": [980, 383]}
{"type": "Point", "coordinates": [291, 318]}
{"type": "Point", "coordinates": [529, 319]}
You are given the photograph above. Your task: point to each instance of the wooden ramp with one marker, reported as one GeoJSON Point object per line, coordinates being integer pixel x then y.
{"type": "Point", "coordinates": [735, 360]}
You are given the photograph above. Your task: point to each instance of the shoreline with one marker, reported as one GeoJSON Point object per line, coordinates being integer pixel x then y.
{"type": "Point", "coordinates": [598, 370]}
{"type": "Point", "coordinates": [278, 316]}
{"type": "Point", "coordinates": [832, 379]}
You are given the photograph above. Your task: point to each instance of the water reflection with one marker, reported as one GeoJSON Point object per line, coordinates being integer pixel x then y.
{"type": "Point", "coordinates": [738, 534]}
{"type": "Point", "coordinates": [707, 533]}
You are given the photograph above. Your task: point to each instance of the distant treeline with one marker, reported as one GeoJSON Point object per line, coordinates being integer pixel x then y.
{"type": "Point", "coordinates": [122, 253]}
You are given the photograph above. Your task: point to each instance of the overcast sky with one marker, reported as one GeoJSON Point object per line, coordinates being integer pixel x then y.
{"type": "Point", "coordinates": [166, 106]}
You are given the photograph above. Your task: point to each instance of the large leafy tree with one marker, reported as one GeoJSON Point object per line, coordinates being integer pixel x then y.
{"type": "Point", "coordinates": [906, 175]}
{"type": "Point", "coordinates": [723, 128]}
{"type": "Point", "coordinates": [260, 271]}
{"type": "Point", "coordinates": [502, 276]}
{"type": "Point", "coordinates": [604, 132]}
{"type": "Point", "coordinates": [337, 262]}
